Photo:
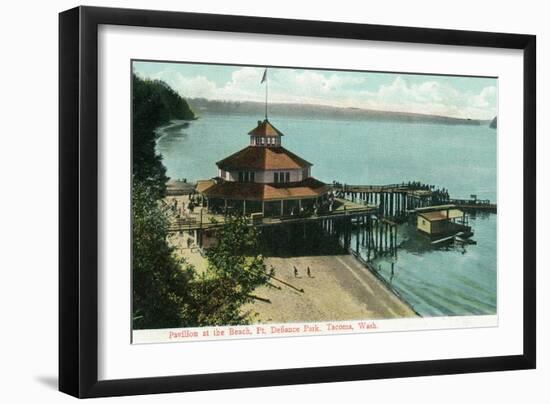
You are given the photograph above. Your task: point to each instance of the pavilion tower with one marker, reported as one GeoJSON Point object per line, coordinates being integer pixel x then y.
{"type": "Point", "coordinates": [264, 177]}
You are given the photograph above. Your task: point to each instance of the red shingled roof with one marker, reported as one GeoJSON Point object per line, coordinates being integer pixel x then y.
{"type": "Point", "coordinates": [263, 158]}
{"type": "Point", "coordinates": [308, 188]}
{"type": "Point", "coordinates": [265, 129]}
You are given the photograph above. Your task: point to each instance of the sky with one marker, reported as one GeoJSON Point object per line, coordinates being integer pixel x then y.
{"type": "Point", "coordinates": [454, 96]}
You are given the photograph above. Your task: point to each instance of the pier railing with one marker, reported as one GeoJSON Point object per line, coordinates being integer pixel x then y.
{"type": "Point", "coordinates": [396, 199]}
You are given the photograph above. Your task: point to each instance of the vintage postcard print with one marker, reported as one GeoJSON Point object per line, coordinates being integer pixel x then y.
{"type": "Point", "coordinates": [280, 202]}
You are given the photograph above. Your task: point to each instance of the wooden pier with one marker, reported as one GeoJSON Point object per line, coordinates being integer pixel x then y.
{"type": "Point", "coordinates": [474, 205]}
{"type": "Point", "coordinates": [393, 200]}
{"type": "Point", "coordinates": [396, 200]}
{"type": "Point", "coordinates": [371, 213]}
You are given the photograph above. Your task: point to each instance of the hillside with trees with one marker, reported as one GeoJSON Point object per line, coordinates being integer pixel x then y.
{"type": "Point", "coordinates": [154, 104]}
{"type": "Point", "coordinates": [167, 291]}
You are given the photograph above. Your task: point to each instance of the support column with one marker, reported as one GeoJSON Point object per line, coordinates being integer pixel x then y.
{"type": "Point", "coordinates": [356, 236]}
{"type": "Point", "coordinates": [391, 239]}
{"type": "Point", "coordinates": [386, 237]}
{"type": "Point", "coordinates": [395, 241]}
{"type": "Point", "coordinates": [363, 231]}
{"type": "Point", "coordinates": [368, 236]}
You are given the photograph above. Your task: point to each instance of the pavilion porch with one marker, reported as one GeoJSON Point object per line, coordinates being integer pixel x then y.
{"type": "Point", "coordinates": [269, 208]}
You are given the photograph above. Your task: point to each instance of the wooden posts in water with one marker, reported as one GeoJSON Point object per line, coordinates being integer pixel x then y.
{"type": "Point", "coordinates": [393, 200]}
{"type": "Point", "coordinates": [391, 203]}
{"type": "Point", "coordinates": [375, 235]}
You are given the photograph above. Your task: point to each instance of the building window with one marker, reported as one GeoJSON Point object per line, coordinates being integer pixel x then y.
{"type": "Point", "coordinates": [247, 176]}
{"type": "Point", "coordinates": [281, 177]}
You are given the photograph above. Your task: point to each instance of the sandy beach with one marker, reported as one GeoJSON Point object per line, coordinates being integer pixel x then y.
{"type": "Point", "coordinates": [339, 288]}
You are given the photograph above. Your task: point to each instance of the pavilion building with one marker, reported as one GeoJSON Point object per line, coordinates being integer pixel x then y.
{"type": "Point", "coordinates": [265, 178]}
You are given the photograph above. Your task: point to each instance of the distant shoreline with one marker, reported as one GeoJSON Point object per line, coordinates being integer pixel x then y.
{"type": "Point", "coordinates": [204, 106]}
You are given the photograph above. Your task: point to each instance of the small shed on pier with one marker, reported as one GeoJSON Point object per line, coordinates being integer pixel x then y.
{"type": "Point", "coordinates": [441, 221]}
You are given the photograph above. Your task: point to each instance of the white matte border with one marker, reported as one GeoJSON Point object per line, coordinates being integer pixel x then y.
{"type": "Point", "coordinates": [119, 359]}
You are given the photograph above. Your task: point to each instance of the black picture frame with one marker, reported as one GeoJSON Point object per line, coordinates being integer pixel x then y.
{"type": "Point", "coordinates": [78, 200]}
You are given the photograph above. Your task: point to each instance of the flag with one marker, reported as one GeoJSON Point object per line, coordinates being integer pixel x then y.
{"type": "Point", "coordinates": [264, 77]}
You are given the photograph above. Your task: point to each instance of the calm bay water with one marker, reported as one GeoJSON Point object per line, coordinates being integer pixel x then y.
{"type": "Point", "coordinates": [453, 280]}
{"type": "Point", "coordinates": [461, 158]}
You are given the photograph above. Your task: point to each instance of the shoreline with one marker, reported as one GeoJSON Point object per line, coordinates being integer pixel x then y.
{"type": "Point", "coordinates": [369, 267]}
{"type": "Point", "coordinates": [173, 125]}
{"type": "Point", "coordinates": [339, 288]}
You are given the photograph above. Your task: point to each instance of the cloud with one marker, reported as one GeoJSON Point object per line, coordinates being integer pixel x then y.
{"type": "Point", "coordinates": [339, 89]}
{"type": "Point", "coordinates": [190, 87]}
{"type": "Point", "coordinates": [432, 97]}
{"type": "Point", "coordinates": [486, 98]}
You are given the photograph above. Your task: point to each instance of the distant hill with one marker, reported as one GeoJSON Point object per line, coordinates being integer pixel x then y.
{"type": "Point", "coordinates": [204, 106]}
{"type": "Point", "coordinates": [493, 123]}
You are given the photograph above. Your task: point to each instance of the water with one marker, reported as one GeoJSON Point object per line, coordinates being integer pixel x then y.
{"type": "Point", "coordinates": [460, 158]}
{"type": "Point", "coordinates": [451, 280]}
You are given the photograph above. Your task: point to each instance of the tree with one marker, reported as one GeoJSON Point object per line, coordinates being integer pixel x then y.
{"type": "Point", "coordinates": [154, 104]}
{"type": "Point", "coordinates": [167, 292]}
{"type": "Point", "coordinates": [233, 273]}
{"type": "Point", "coordinates": [161, 282]}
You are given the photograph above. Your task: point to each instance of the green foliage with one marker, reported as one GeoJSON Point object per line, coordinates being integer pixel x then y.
{"type": "Point", "coordinates": [175, 107]}
{"type": "Point", "coordinates": [232, 275]}
{"type": "Point", "coordinates": [161, 282]}
{"type": "Point", "coordinates": [154, 103]}
{"type": "Point", "coordinates": [167, 292]}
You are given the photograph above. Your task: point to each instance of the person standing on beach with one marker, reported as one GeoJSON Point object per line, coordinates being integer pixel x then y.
{"type": "Point", "coordinates": [308, 272]}
{"type": "Point", "coordinates": [295, 272]}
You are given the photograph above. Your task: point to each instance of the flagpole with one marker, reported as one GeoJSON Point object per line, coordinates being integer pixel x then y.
{"type": "Point", "coordinates": [266, 89]}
